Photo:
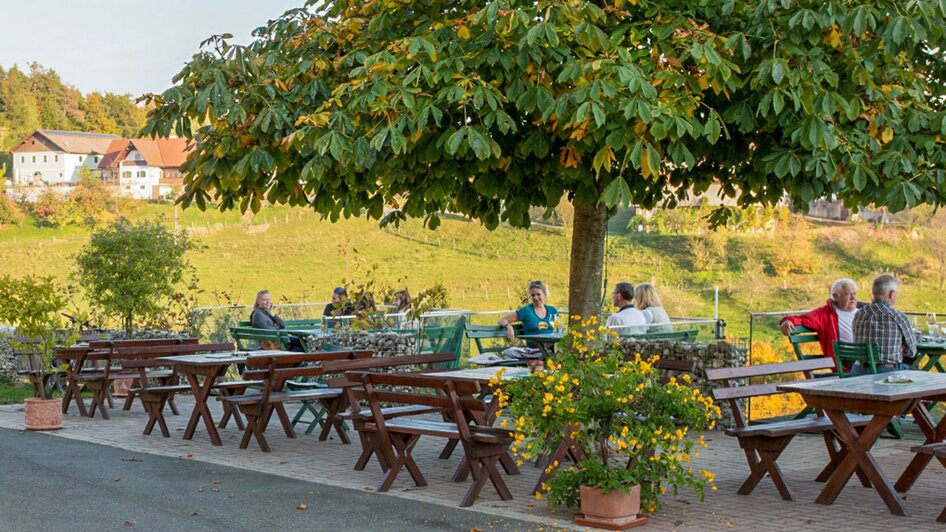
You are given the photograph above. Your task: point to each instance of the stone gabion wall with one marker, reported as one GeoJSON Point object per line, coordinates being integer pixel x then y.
{"type": "Point", "coordinates": [7, 361]}
{"type": "Point", "coordinates": [383, 344]}
{"type": "Point", "coordinates": [719, 354]}
{"type": "Point", "coordinates": [147, 334]}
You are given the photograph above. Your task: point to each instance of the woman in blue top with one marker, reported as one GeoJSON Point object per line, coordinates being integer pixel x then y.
{"type": "Point", "coordinates": [536, 318]}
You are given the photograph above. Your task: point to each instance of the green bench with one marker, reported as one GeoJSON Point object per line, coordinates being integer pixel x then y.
{"type": "Point", "coordinates": [311, 323]}
{"type": "Point", "coordinates": [682, 335]}
{"type": "Point", "coordinates": [242, 336]}
{"type": "Point", "coordinates": [488, 333]}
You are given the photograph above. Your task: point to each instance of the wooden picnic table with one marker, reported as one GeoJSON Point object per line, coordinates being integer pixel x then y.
{"type": "Point", "coordinates": [75, 358]}
{"type": "Point", "coordinates": [210, 366]}
{"type": "Point", "coordinates": [869, 394]}
{"type": "Point", "coordinates": [545, 341]}
{"type": "Point", "coordinates": [928, 354]}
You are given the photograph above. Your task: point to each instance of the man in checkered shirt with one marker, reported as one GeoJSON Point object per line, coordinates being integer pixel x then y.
{"type": "Point", "coordinates": [886, 326]}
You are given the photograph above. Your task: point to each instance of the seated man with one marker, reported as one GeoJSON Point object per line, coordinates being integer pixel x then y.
{"type": "Point", "coordinates": [833, 321]}
{"type": "Point", "coordinates": [627, 320]}
{"type": "Point", "coordinates": [886, 326]}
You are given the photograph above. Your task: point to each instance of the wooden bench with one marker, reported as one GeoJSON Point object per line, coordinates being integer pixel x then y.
{"type": "Point", "coordinates": [274, 371]}
{"type": "Point", "coordinates": [672, 368]}
{"type": "Point", "coordinates": [361, 416]}
{"type": "Point", "coordinates": [936, 450]}
{"type": "Point", "coordinates": [764, 443]}
{"type": "Point", "coordinates": [140, 364]}
{"type": "Point", "coordinates": [110, 352]}
{"type": "Point", "coordinates": [483, 446]}
{"type": "Point", "coordinates": [36, 372]}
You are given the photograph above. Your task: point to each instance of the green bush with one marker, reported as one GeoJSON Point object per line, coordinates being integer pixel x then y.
{"type": "Point", "coordinates": [132, 270]}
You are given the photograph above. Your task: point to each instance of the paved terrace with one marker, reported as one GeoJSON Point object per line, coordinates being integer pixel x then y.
{"type": "Point", "coordinates": [330, 463]}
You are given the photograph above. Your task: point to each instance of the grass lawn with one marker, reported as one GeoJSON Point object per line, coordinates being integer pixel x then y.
{"type": "Point", "coordinates": [14, 393]}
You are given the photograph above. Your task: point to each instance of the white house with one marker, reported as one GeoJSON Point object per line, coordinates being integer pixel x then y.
{"type": "Point", "coordinates": [54, 158]}
{"type": "Point", "coordinates": [145, 168]}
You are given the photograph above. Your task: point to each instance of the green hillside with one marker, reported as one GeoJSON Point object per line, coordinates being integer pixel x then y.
{"type": "Point", "coordinates": [300, 258]}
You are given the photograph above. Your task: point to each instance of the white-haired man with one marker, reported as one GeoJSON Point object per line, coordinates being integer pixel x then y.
{"type": "Point", "coordinates": [886, 326]}
{"type": "Point", "coordinates": [833, 321]}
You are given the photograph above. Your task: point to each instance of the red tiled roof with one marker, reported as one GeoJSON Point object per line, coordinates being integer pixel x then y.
{"type": "Point", "coordinates": [162, 153]}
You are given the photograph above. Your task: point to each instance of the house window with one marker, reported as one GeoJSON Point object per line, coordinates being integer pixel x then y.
{"type": "Point", "coordinates": [44, 158]}
{"type": "Point", "coordinates": [22, 158]}
{"type": "Point", "coordinates": [96, 158]}
{"type": "Point", "coordinates": [81, 157]}
{"type": "Point", "coordinates": [55, 158]}
{"type": "Point", "coordinates": [34, 158]}
{"type": "Point", "coordinates": [126, 174]}
{"type": "Point", "coordinates": [142, 187]}
{"type": "Point", "coordinates": [142, 174]}
{"type": "Point", "coordinates": [60, 175]}
{"type": "Point", "coordinates": [127, 187]}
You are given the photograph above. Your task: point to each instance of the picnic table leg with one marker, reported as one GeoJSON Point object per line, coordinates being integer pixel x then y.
{"type": "Point", "coordinates": [858, 446]}
{"type": "Point", "coordinates": [837, 455]}
{"type": "Point", "coordinates": [201, 393]}
{"type": "Point", "coordinates": [72, 388]}
{"type": "Point", "coordinates": [933, 433]}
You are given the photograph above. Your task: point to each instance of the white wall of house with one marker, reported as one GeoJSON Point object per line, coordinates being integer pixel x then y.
{"type": "Point", "coordinates": [138, 182]}
{"type": "Point", "coordinates": [50, 167]}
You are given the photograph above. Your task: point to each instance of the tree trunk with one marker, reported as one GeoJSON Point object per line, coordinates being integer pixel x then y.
{"type": "Point", "coordinates": [587, 260]}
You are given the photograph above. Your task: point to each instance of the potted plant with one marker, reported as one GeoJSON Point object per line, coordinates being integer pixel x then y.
{"type": "Point", "coordinates": [33, 305]}
{"type": "Point", "coordinates": [629, 434]}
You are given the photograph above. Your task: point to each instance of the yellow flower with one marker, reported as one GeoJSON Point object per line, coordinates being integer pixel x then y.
{"type": "Point", "coordinates": [504, 423]}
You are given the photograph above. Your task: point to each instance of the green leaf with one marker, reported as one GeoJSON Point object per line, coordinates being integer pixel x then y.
{"type": "Point", "coordinates": [455, 140]}
{"type": "Point", "coordinates": [778, 71]}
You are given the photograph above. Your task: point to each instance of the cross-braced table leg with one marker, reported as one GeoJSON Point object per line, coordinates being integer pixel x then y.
{"type": "Point", "coordinates": [201, 410]}
{"type": "Point", "coordinates": [858, 454]}
{"type": "Point", "coordinates": [72, 389]}
{"type": "Point", "coordinates": [934, 433]}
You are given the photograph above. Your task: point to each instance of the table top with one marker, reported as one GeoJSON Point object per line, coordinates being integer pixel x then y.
{"type": "Point", "coordinates": [872, 387]}
{"type": "Point", "coordinates": [220, 358]}
{"type": "Point", "coordinates": [481, 374]}
{"type": "Point", "coordinates": [925, 345]}
{"type": "Point", "coordinates": [548, 337]}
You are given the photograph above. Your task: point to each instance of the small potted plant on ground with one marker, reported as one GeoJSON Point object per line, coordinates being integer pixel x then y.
{"type": "Point", "coordinates": [33, 305]}
{"type": "Point", "coordinates": [629, 434]}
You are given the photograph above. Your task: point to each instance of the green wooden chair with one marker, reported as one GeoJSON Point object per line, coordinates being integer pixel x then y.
{"type": "Point", "coordinates": [800, 336]}
{"type": "Point", "coordinates": [847, 353]}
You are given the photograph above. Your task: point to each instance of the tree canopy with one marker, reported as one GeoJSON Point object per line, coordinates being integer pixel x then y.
{"type": "Point", "coordinates": [486, 108]}
{"type": "Point", "coordinates": [130, 270]}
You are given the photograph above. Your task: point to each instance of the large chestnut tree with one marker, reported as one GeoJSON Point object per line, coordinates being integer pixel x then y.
{"type": "Point", "coordinates": [488, 108]}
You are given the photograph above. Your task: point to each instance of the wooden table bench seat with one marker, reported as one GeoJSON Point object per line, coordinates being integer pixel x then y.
{"type": "Point", "coordinates": [457, 401]}
{"type": "Point", "coordinates": [274, 372]}
{"type": "Point", "coordinates": [763, 443]}
{"type": "Point", "coordinates": [937, 450]}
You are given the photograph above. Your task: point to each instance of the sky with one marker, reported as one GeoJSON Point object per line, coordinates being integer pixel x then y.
{"type": "Point", "coordinates": [122, 46]}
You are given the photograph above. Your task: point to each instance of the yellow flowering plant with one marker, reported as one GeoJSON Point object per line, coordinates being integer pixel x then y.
{"type": "Point", "coordinates": [626, 427]}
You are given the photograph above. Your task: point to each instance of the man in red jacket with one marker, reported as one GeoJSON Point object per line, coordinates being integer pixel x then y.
{"type": "Point", "coordinates": [832, 321]}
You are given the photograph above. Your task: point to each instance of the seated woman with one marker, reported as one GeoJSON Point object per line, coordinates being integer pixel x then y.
{"type": "Point", "coordinates": [536, 318]}
{"type": "Point", "coordinates": [402, 305]}
{"type": "Point", "coordinates": [648, 302]}
{"type": "Point", "coordinates": [262, 317]}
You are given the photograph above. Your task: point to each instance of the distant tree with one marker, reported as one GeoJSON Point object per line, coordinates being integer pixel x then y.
{"type": "Point", "coordinates": [490, 108]}
{"type": "Point", "coordinates": [10, 212]}
{"type": "Point", "coordinates": [131, 270]}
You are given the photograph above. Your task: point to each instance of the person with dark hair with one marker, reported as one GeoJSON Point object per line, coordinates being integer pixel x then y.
{"type": "Point", "coordinates": [536, 317]}
{"type": "Point", "coordinates": [340, 305]}
{"type": "Point", "coordinates": [627, 320]}
{"type": "Point", "coordinates": [402, 301]}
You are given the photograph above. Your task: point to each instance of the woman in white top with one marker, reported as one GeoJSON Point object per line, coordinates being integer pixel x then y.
{"type": "Point", "coordinates": [647, 301]}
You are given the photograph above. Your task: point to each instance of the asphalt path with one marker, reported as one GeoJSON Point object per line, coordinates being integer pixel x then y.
{"type": "Point", "coordinates": [53, 483]}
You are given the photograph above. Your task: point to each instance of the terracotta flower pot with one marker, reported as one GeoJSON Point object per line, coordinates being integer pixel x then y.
{"type": "Point", "coordinates": [43, 414]}
{"type": "Point", "coordinates": [120, 387]}
{"type": "Point", "coordinates": [615, 510]}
